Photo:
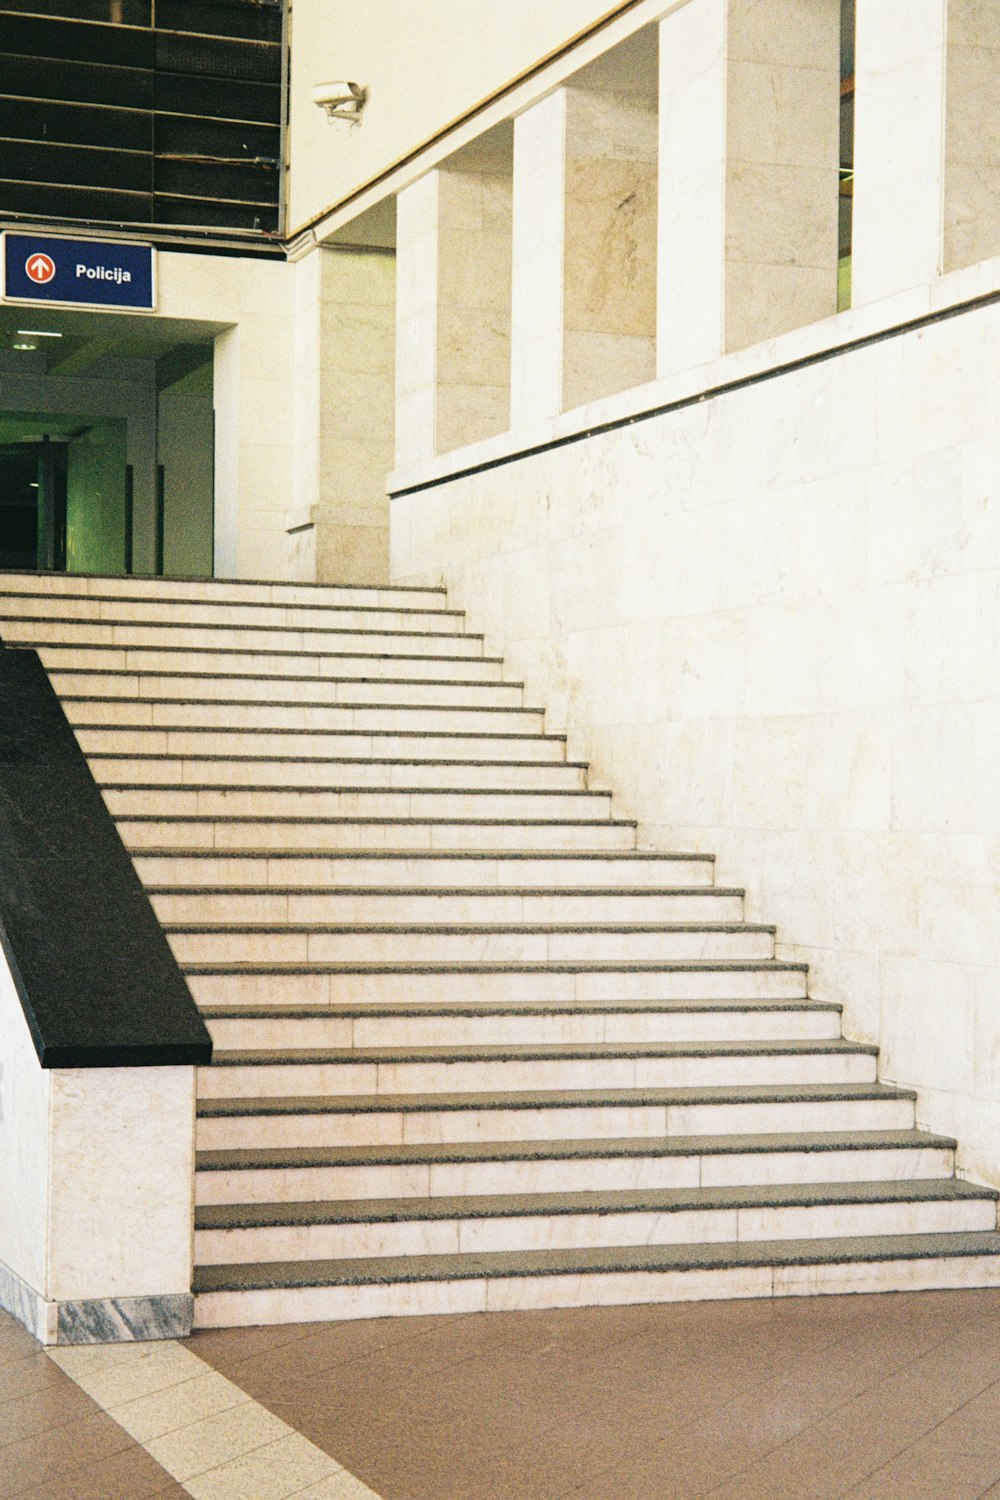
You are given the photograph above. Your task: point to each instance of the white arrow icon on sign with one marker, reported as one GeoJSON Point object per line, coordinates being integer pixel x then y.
{"type": "Point", "coordinates": [40, 268]}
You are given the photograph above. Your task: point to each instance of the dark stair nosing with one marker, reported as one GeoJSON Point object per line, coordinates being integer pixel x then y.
{"type": "Point", "coordinates": [453, 1153]}
{"type": "Point", "coordinates": [165, 599]}
{"type": "Point", "coordinates": [428, 1009]}
{"type": "Point", "coordinates": [43, 574]}
{"type": "Point", "coordinates": [182, 817]}
{"type": "Point", "coordinates": [298, 789]}
{"type": "Point", "coordinates": [429, 854]}
{"type": "Point", "coordinates": [275, 625]}
{"type": "Point", "coordinates": [635, 1258]}
{"type": "Point", "coordinates": [466, 929]}
{"type": "Point", "coordinates": [593, 1098]}
{"type": "Point", "coordinates": [543, 1052]}
{"type": "Point", "coordinates": [485, 892]}
{"type": "Point", "coordinates": [553, 966]}
{"type": "Point", "coordinates": [600, 1202]}
{"type": "Point", "coordinates": [275, 677]}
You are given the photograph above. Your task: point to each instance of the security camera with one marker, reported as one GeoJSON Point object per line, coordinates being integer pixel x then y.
{"type": "Point", "coordinates": [342, 101]}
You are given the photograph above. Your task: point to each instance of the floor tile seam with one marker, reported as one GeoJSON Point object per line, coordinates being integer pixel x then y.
{"type": "Point", "coordinates": [231, 1462]}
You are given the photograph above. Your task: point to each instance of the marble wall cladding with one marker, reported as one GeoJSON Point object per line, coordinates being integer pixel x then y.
{"type": "Point", "coordinates": [972, 142]}
{"type": "Point", "coordinates": [899, 146]}
{"type": "Point", "coordinates": [749, 150]}
{"type": "Point", "coordinates": [120, 1176]}
{"type": "Point", "coordinates": [793, 664]}
{"type": "Point", "coordinates": [24, 1145]}
{"type": "Point", "coordinates": [96, 1174]}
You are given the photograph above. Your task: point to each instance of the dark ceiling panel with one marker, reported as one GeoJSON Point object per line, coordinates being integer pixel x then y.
{"type": "Point", "coordinates": [103, 101]}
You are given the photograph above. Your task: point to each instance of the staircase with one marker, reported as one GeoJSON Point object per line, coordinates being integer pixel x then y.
{"type": "Point", "coordinates": [475, 1048]}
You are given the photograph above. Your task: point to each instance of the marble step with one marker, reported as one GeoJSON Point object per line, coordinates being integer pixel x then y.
{"type": "Point", "coordinates": [302, 802]}
{"type": "Point", "coordinates": [398, 718]}
{"type": "Point", "coordinates": [39, 630]}
{"type": "Point", "coordinates": [403, 834]}
{"type": "Point", "coordinates": [206, 687]}
{"type": "Point", "coordinates": [345, 984]}
{"type": "Point", "coordinates": [305, 747]}
{"type": "Point", "coordinates": [228, 1122]}
{"type": "Point", "coordinates": [292, 1291]}
{"type": "Point", "coordinates": [80, 585]}
{"type": "Point", "coordinates": [274, 905]}
{"type": "Point", "coordinates": [115, 607]}
{"type": "Point", "coordinates": [483, 1223]}
{"type": "Point", "coordinates": [298, 1174]}
{"type": "Point", "coordinates": [315, 774]}
{"type": "Point", "coordinates": [506, 1069]}
{"type": "Point", "coordinates": [263, 1027]}
{"type": "Point", "coordinates": [469, 870]}
{"type": "Point", "coordinates": [374, 944]}
{"type": "Point", "coordinates": [174, 660]}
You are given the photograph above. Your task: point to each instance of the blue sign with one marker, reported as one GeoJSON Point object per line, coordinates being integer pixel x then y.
{"type": "Point", "coordinates": [89, 273]}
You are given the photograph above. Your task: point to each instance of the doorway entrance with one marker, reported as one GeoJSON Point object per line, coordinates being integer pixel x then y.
{"type": "Point", "coordinates": [33, 505]}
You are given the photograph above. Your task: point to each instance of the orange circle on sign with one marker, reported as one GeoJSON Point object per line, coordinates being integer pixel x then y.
{"type": "Point", "coordinates": [40, 268]}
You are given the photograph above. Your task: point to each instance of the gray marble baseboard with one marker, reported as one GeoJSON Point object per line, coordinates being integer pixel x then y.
{"type": "Point", "coordinates": [116, 1320]}
{"type": "Point", "coordinates": [109, 1320]}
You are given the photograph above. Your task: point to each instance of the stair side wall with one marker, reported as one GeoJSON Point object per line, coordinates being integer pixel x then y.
{"type": "Point", "coordinates": [770, 620]}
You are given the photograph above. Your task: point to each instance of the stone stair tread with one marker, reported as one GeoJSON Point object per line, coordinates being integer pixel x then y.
{"type": "Point", "coordinates": [507, 1263]}
{"type": "Point", "coordinates": [368, 790]}
{"type": "Point", "coordinates": [631, 1200]}
{"type": "Point", "coordinates": [43, 645]}
{"type": "Point", "coordinates": [492, 892]}
{"type": "Point", "coordinates": [548, 966]}
{"type": "Point", "coordinates": [253, 1158]}
{"type": "Point", "coordinates": [275, 677]}
{"type": "Point", "coordinates": [537, 1052]}
{"type": "Point", "coordinates": [769, 1093]}
{"type": "Point", "coordinates": [275, 626]}
{"type": "Point", "coordinates": [367, 818]}
{"type": "Point", "coordinates": [379, 1010]}
{"type": "Point", "coordinates": [306, 852]}
{"type": "Point", "coordinates": [91, 597]}
{"type": "Point", "coordinates": [314, 760]}
{"type": "Point", "coordinates": [464, 929]}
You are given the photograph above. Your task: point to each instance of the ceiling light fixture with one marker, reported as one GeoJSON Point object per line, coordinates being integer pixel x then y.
{"type": "Point", "coordinates": [37, 333]}
{"type": "Point", "coordinates": [25, 346]}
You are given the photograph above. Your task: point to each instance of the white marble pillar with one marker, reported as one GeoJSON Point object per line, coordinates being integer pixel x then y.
{"type": "Point", "coordinates": [337, 530]}
{"type": "Point", "coordinates": [473, 311]}
{"type": "Point", "coordinates": [748, 175]}
{"type": "Point", "coordinates": [536, 356]}
{"type": "Point", "coordinates": [416, 319]}
{"type": "Point", "coordinates": [453, 259]}
{"type": "Point", "coordinates": [972, 133]}
{"type": "Point", "coordinates": [584, 273]}
{"type": "Point", "coordinates": [899, 130]}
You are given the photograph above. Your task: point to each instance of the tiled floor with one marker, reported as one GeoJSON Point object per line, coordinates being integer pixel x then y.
{"type": "Point", "coordinates": [876, 1398]}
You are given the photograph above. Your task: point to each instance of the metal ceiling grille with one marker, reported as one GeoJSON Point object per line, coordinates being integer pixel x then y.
{"type": "Point", "coordinates": [143, 113]}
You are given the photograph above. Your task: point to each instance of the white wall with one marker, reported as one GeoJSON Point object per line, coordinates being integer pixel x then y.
{"type": "Point", "coordinates": [423, 65]}
{"type": "Point", "coordinates": [795, 663]}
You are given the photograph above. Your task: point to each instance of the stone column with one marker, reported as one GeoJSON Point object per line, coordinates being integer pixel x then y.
{"type": "Point", "coordinates": [749, 149]}
{"type": "Point", "coordinates": [338, 528]}
{"type": "Point", "coordinates": [416, 319]}
{"type": "Point", "coordinates": [584, 298]}
{"type": "Point", "coordinates": [972, 134]}
{"type": "Point", "coordinates": [536, 355]}
{"type": "Point", "coordinates": [899, 125]}
{"type": "Point", "coordinates": [473, 308]}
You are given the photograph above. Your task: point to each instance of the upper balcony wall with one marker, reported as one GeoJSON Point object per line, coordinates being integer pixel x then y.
{"type": "Point", "coordinates": [423, 66]}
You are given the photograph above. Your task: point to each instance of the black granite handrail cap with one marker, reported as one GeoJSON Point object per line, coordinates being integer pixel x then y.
{"type": "Point", "coordinates": [96, 977]}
